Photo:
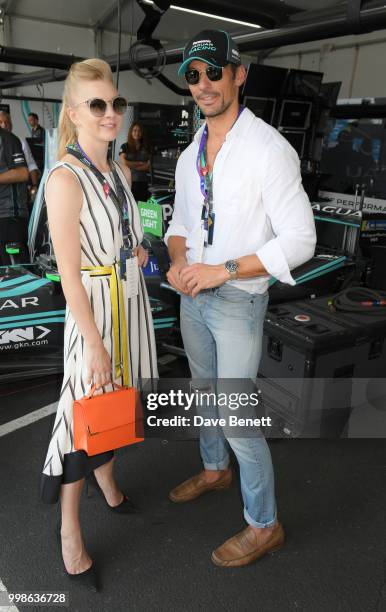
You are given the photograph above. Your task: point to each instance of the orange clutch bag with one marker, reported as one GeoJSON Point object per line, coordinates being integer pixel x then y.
{"type": "Point", "coordinates": [108, 421]}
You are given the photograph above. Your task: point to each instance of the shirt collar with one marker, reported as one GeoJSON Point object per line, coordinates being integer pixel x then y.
{"type": "Point", "coordinates": [241, 126]}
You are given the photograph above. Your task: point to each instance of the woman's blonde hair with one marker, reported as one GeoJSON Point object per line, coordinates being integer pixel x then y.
{"type": "Point", "coordinates": [88, 70]}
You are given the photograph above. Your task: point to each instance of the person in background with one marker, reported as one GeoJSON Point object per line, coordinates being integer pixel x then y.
{"type": "Point", "coordinates": [135, 154]}
{"type": "Point", "coordinates": [34, 173]}
{"type": "Point", "coordinates": [37, 140]}
{"type": "Point", "coordinates": [37, 131]}
{"type": "Point", "coordinates": [13, 197]}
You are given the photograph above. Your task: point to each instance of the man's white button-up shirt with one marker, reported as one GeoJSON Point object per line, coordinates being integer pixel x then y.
{"type": "Point", "coordinates": [259, 203]}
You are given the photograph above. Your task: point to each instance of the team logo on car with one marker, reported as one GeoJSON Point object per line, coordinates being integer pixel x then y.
{"type": "Point", "coordinates": [23, 334]}
{"type": "Point", "coordinates": [25, 302]}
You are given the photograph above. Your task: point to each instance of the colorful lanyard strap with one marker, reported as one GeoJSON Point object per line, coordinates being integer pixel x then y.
{"type": "Point", "coordinates": [201, 165]}
{"type": "Point", "coordinates": [119, 198]}
{"type": "Point", "coordinates": [206, 184]}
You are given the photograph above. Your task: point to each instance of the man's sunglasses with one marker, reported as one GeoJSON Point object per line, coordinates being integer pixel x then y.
{"type": "Point", "coordinates": [213, 73]}
{"type": "Point", "coordinates": [98, 106]}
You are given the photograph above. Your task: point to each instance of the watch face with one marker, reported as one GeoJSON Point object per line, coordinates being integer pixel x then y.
{"type": "Point", "coordinates": [231, 266]}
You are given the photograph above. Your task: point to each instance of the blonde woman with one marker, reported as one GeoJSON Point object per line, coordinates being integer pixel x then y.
{"type": "Point", "coordinates": [96, 234]}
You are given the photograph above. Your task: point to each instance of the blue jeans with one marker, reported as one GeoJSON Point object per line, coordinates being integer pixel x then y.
{"type": "Point", "coordinates": [222, 330]}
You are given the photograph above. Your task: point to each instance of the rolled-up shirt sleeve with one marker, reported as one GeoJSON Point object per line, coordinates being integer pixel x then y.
{"type": "Point", "coordinates": [290, 214]}
{"type": "Point", "coordinates": [31, 164]}
{"type": "Point", "coordinates": [177, 226]}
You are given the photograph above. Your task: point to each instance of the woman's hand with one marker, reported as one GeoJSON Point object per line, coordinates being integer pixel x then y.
{"type": "Point", "coordinates": [142, 254]}
{"type": "Point", "coordinates": [98, 365]}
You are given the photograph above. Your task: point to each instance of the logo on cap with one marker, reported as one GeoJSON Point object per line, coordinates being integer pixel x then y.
{"type": "Point", "coordinates": [202, 45]}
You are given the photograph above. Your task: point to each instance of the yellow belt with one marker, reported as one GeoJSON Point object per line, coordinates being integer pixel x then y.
{"type": "Point", "coordinates": [121, 353]}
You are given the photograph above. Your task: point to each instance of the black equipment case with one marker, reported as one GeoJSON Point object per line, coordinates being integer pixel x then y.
{"type": "Point", "coordinates": [314, 363]}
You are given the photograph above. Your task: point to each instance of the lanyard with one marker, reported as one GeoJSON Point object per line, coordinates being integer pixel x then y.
{"type": "Point", "coordinates": [201, 161]}
{"type": "Point", "coordinates": [206, 185]}
{"type": "Point", "coordinates": [201, 165]}
{"type": "Point", "coordinates": [119, 198]}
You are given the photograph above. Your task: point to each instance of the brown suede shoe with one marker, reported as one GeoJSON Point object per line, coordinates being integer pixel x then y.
{"type": "Point", "coordinates": [197, 485]}
{"type": "Point", "coordinates": [246, 546]}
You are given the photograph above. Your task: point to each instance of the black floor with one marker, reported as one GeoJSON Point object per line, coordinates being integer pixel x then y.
{"type": "Point", "coordinates": [331, 499]}
{"type": "Point", "coordinates": [22, 397]}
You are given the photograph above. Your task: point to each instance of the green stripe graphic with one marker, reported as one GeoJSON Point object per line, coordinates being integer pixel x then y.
{"type": "Point", "coordinates": [32, 322]}
{"type": "Point", "coordinates": [26, 317]}
{"type": "Point", "coordinates": [24, 289]}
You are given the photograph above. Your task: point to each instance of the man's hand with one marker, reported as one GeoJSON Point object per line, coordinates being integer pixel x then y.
{"type": "Point", "coordinates": [174, 275]}
{"type": "Point", "coordinates": [203, 276]}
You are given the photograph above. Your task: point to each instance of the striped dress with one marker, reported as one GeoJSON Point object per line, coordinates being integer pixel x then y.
{"type": "Point", "coordinates": [101, 241]}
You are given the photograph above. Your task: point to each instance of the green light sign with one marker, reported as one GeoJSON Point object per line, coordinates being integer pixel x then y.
{"type": "Point", "coordinates": [151, 217]}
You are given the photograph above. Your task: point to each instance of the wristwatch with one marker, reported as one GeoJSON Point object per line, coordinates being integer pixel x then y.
{"type": "Point", "coordinates": [231, 266]}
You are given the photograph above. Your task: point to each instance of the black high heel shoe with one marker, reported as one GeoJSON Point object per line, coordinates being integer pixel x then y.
{"type": "Point", "coordinates": [88, 578]}
{"type": "Point", "coordinates": [125, 507]}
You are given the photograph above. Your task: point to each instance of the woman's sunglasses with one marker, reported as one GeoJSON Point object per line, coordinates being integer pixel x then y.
{"type": "Point", "coordinates": [98, 106]}
{"type": "Point", "coordinates": [213, 73]}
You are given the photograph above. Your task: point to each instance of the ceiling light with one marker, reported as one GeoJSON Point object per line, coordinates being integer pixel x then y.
{"type": "Point", "coordinates": [202, 14]}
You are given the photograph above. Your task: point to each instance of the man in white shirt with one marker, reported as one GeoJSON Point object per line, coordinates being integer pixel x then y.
{"type": "Point", "coordinates": [240, 216]}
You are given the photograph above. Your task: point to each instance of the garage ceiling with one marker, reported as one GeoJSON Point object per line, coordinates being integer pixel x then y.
{"type": "Point", "coordinates": [175, 24]}
{"type": "Point", "coordinates": [261, 25]}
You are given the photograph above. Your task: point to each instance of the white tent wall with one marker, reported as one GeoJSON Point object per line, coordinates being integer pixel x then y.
{"type": "Point", "coordinates": [51, 37]}
{"type": "Point", "coordinates": [357, 61]}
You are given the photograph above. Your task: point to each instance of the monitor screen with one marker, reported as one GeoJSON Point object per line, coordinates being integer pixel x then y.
{"type": "Point", "coordinates": [166, 125]}
{"type": "Point", "coordinates": [354, 153]}
{"type": "Point", "coordinates": [303, 83]}
{"type": "Point", "coordinates": [264, 81]}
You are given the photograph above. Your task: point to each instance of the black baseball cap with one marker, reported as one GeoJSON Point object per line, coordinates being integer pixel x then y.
{"type": "Point", "coordinates": [215, 47]}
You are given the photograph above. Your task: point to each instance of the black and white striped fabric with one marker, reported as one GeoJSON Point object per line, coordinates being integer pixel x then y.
{"type": "Point", "coordinates": [101, 240]}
